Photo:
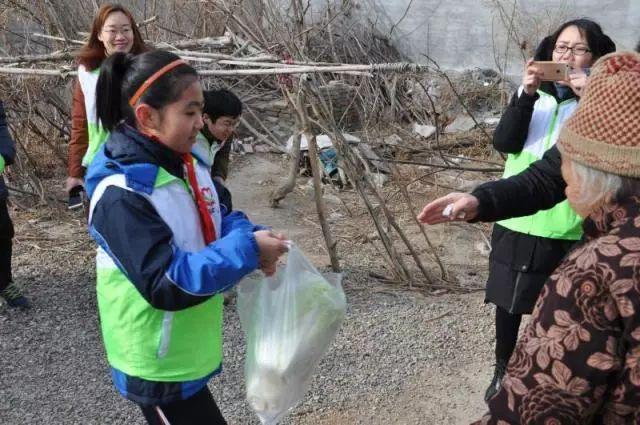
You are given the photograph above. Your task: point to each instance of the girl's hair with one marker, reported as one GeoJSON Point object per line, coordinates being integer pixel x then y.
{"type": "Point", "coordinates": [122, 74]}
{"type": "Point", "coordinates": [93, 53]}
{"type": "Point", "coordinates": [599, 43]}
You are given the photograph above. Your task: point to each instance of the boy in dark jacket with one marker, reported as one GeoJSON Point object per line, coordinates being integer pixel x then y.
{"type": "Point", "coordinates": [221, 115]}
{"type": "Point", "coordinates": [8, 290]}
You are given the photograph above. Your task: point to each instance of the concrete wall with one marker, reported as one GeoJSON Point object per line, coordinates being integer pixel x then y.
{"type": "Point", "coordinates": [463, 33]}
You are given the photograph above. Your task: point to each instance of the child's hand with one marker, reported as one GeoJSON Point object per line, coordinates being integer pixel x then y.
{"type": "Point", "coordinates": [271, 246]}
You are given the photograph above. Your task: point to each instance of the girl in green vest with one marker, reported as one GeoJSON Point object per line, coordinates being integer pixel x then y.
{"type": "Point", "coordinates": [166, 250]}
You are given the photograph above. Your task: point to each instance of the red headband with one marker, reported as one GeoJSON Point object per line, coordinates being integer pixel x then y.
{"type": "Point", "coordinates": [159, 73]}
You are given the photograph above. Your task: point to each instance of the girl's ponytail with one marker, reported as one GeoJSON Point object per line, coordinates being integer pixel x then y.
{"type": "Point", "coordinates": [111, 108]}
{"type": "Point", "coordinates": [122, 74]}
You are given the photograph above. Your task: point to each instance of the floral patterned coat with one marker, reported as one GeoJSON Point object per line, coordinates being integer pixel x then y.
{"type": "Point", "coordinates": [578, 361]}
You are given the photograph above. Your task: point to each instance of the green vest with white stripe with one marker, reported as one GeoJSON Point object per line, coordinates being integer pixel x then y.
{"type": "Point", "coordinates": [145, 342]}
{"type": "Point", "coordinates": [97, 134]}
{"type": "Point", "coordinates": [559, 222]}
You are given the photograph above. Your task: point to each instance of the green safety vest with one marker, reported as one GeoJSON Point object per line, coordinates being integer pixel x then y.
{"type": "Point", "coordinates": [559, 222]}
{"type": "Point", "coordinates": [145, 342]}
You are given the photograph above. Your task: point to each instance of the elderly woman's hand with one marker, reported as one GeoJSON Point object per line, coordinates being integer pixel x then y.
{"type": "Point", "coordinates": [531, 78]}
{"type": "Point", "coordinates": [455, 206]}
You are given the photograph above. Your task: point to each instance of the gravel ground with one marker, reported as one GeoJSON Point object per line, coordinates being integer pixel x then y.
{"type": "Point", "coordinates": [390, 349]}
{"type": "Point", "coordinates": [401, 357]}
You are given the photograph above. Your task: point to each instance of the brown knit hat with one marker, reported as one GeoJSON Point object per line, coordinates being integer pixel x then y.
{"type": "Point", "coordinates": [604, 131]}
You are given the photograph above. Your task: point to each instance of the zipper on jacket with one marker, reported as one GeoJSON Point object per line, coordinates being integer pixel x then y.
{"type": "Point", "coordinates": [515, 292]}
{"type": "Point", "coordinates": [552, 127]}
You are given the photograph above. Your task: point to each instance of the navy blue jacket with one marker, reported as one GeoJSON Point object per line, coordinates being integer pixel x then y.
{"type": "Point", "coordinates": [7, 148]}
{"type": "Point", "coordinates": [129, 228]}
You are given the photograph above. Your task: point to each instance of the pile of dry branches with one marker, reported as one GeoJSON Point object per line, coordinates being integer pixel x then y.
{"type": "Point", "coordinates": [262, 50]}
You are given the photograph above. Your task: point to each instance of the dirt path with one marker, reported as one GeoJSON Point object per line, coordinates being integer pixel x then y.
{"type": "Point", "coordinates": [401, 357]}
{"type": "Point", "coordinates": [441, 396]}
{"type": "Point", "coordinates": [440, 392]}
{"type": "Point", "coordinates": [252, 179]}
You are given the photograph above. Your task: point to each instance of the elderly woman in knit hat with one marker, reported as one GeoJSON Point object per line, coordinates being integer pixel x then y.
{"type": "Point", "coordinates": [578, 361]}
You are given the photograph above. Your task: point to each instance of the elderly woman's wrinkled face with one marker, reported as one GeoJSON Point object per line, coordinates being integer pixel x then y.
{"type": "Point", "coordinates": [574, 188]}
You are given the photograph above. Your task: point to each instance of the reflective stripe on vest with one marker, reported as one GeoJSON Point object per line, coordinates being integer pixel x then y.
{"type": "Point", "coordinates": [559, 222]}
{"type": "Point", "coordinates": [139, 339]}
{"type": "Point", "coordinates": [96, 133]}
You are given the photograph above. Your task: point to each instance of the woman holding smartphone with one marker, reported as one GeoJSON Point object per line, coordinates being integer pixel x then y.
{"type": "Point", "coordinates": [525, 250]}
{"type": "Point", "coordinates": [113, 30]}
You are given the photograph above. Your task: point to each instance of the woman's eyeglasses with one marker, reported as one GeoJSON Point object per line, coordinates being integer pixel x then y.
{"type": "Point", "coordinates": [576, 50]}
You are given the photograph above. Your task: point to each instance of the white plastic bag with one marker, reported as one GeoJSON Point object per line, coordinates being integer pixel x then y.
{"type": "Point", "coordinates": [289, 320]}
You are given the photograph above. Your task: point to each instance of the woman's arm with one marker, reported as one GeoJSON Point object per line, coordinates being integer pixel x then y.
{"type": "Point", "coordinates": [512, 131]}
{"type": "Point", "coordinates": [79, 142]}
{"type": "Point", "coordinates": [513, 127]}
{"type": "Point", "coordinates": [169, 278]}
{"type": "Point", "coordinates": [7, 144]}
{"type": "Point", "coordinates": [537, 188]}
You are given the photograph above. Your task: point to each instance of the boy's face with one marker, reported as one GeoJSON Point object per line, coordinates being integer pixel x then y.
{"type": "Point", "coordinates": [223, 127]}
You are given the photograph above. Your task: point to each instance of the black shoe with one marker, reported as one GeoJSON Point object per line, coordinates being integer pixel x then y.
{"type": "Point", "coordinates": [14, 297]}
{"type": "Point", "coordinates": [496, 382]}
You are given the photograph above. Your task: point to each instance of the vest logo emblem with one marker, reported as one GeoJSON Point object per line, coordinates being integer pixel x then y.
{"type": "Point", "coordinates": [209, 199]}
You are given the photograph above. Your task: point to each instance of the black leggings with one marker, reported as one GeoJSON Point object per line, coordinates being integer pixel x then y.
{"type": "Point", "coordinates": [6, 233]}
{"type": "Point", "coordinates": [507, 326]}
{"type": "Point", "coordinates": [200, 409]}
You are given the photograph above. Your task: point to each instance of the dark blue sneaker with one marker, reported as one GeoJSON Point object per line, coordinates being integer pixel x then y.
{"type": "Point", "coordinates": [14, 297]}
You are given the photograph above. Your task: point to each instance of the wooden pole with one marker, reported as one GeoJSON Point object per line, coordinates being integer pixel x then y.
{"type": "Point", "coordinates": [385, 67]}
{"type": "Point", "coordinates": [321, 111]}
{"type": "Point", "coordinates": [314, 158]}
{"type": "Point", "coordinates": [320, 208]}
{"type": "Point", "coordinates": [393, 67]}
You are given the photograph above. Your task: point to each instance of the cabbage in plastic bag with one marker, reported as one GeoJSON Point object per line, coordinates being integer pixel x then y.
{"type": "Point", "coordinates": [289, 321]}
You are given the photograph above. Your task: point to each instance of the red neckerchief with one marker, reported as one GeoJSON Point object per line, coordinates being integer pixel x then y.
{"type": "Point", "coordinates": [208, 228]}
